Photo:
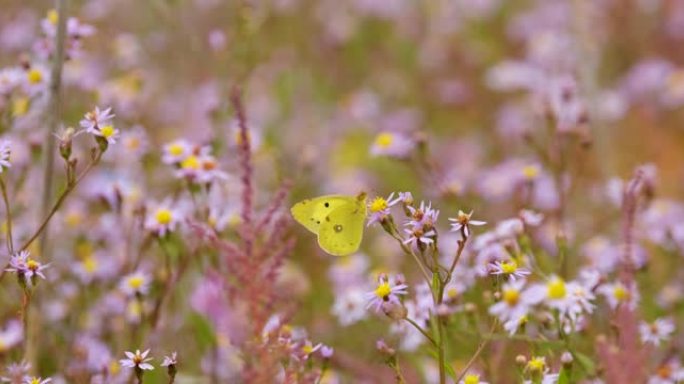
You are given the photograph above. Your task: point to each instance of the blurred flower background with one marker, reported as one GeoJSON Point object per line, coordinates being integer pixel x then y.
{"type": "Point", "coordinates": [524, 162]}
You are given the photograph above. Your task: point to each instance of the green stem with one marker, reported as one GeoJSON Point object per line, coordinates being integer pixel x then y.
{"type": "Point", "coordinates": [419, 328]}
{"type": "Point", "coordinates": [69, 188]}
{"type": "Point", "coordinates": [392, 230]}
{"type": "Point", "coordinates": [25, 306]}
{"type": "Point", "coordinates": [441, 351]}
{"type": "Point", "coordinates": [477, 353]}
{"type": "Point", "coordinates": [5, 199]}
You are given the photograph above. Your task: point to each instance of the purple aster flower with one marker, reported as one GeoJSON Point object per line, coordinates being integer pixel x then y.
{"type": "Point", "coordinates": [136, 283]}
{"type": "Point", "coordinates": [462, 223]}
{"type": "Point", "coordinates": [423, 216]}
{"type": "Point", "coordinates": [657, 332]}
{"type": "Point", "coordinates": [16, 372]}
{"type": "Point", "coordinates": [94, 120]}
{"type": "Point", "coordinates": [170, 363]}
{"type": "Point", "coordinates": [170, 360]}
{"type": "Point", "coordinates": [406, 198]}
{"type": "Point", "coordinates": [36, 380]}
{"type": "Point", "coordinates": [5, 151]}
{"type": "Point", "coordinates": [417, 236]}
{"type": "Point", "coordinates": [326, 351]}
{"type": "Point", "coordinates": [137, 360]}
{"type": "Point", "coordinates": [11, 335]}
{"type": "Point", "coordinates": [386, 292]}
{"type": "Point", "coordinates": [26, 267]}
{"type": "Point", "coordinates": [305, 350]}
{"type": "Point", "coordinates": [509, 269]}
{"type": "Point", "coordinates": [392, 144]}
{"type": "Point", "coordinates": [380, 208]}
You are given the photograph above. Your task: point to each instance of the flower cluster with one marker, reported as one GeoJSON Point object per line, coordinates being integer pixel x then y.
{"type": "Point", "coordinates": [193, 163]}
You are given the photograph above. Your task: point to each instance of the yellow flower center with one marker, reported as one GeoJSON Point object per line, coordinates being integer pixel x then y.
{"type": "Point", "coordinates": [536, 364]}
{"type": "Point", "coordinates": [133, 143]}
{"type": "Point", "coordinates": [73, 219]}
{"type": "Point", "coordinates": [190, 162]}
{"type": "Point", "coordinates": [452, 293]}
{"type": "Point", "coordinates": [163, 216]}
{"type": "Point", "coordinates": [462, 217]}
{"type": "Point", "coordinates": [34, 76]}
{"type": "Point", "coordinates": [135, 282]}
{"type": "Point", "coordinates": [307, 349]}
{"type": "Point", "coordinates": [209, 165]}
{"type": "Point", "coordinates": [665, 371]}
{"type": "Point", "coordinates": [20, 106]}
{"type": "Point", "coordinates": [511, 296]}
{"type": "Point", "coordinates": [53, 16]}
{"type": "Point", "coordinates": [134, 309]}
{"type": "Point", "coordinates": [509, 267]}
{"type": "Point", "coordinates": [378, 204]}
{"type": "Point", "coordinates": [35, 380]}
{"type": "Point", "coordinates": [107, 131]}
{"type": "Point", "coordinates": [383, 290]}
{"type": "Point", "coordinates": [212, 221]}
{"type": "Point", "coordinates": [176, 149]}
{"type": "Point", "coordinates": [556, 289]}
{"type": "Point", "coordinates": [32, 264]}
{"type": "Point", "coordinates": [530, 172]}
{"type": "Point", "coordinates": [471, 379]}
{"type": "Point", "coordinates": [114, 367]}
{"type": "Point", "coordinates": [90, 264]}
{"type": "Point", "coordinates": [620, 293]}
{"type": "Point", "coordinates": [384, 140]}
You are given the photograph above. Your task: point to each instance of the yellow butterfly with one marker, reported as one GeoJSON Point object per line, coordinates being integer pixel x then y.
{"type": "Point", "coordinates": [338, 221]}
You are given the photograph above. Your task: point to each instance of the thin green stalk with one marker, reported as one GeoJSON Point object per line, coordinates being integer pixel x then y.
{"type": "Point", "coordinates": [441, 351]}
{"type": "Point", "coordinates": [479, 350]}
{"type": "Point", "coordinates": [394, 233]}
{"type": "Point", "coordinates": [8, 211]}
{"type": "Point", "coordinates": [69, 188]}
{"type": "Point", "coordinates": [25, 307]}
{"type": "Point", "coordinates": [421, 330]}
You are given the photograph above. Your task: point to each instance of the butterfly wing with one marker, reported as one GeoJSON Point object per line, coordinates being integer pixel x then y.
{"type": "Point", "coordinates": [311, 212]}
{"type": "Point", "coordinates": [340, 232]}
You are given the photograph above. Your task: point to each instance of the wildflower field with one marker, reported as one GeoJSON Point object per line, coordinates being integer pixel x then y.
{"type": "Point", "coordinates": [341, 191]}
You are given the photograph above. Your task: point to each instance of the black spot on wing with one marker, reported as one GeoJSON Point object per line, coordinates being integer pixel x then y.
{"type": "Point", "coordinates": [326, 204]}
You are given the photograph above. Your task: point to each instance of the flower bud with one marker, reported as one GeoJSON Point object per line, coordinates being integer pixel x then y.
{"type": "Point", "coordinates": [567, 359]}
{"type": "Point", "coordinates": [521, 360]}
{"type": "Point", "coordinates": [383, 348]}
{"type": "Point", "coordinates": [102, 143]}
{"type": "Point", "coordinates": [395, 311]}
{"type": "Point", "coordinates": [65, 141]}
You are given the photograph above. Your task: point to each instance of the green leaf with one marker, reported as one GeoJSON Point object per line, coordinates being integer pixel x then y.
{"type": "Point", "coordinates": [564, 376]}
{"type": "Point", "coordinates": [447, 367]}
{"type": "Point", "coordinates": [586, 362]}
{"type": "Point", "coordinates": [204, 330]}
{"type": "Point", "coordinates": [450, 370]}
